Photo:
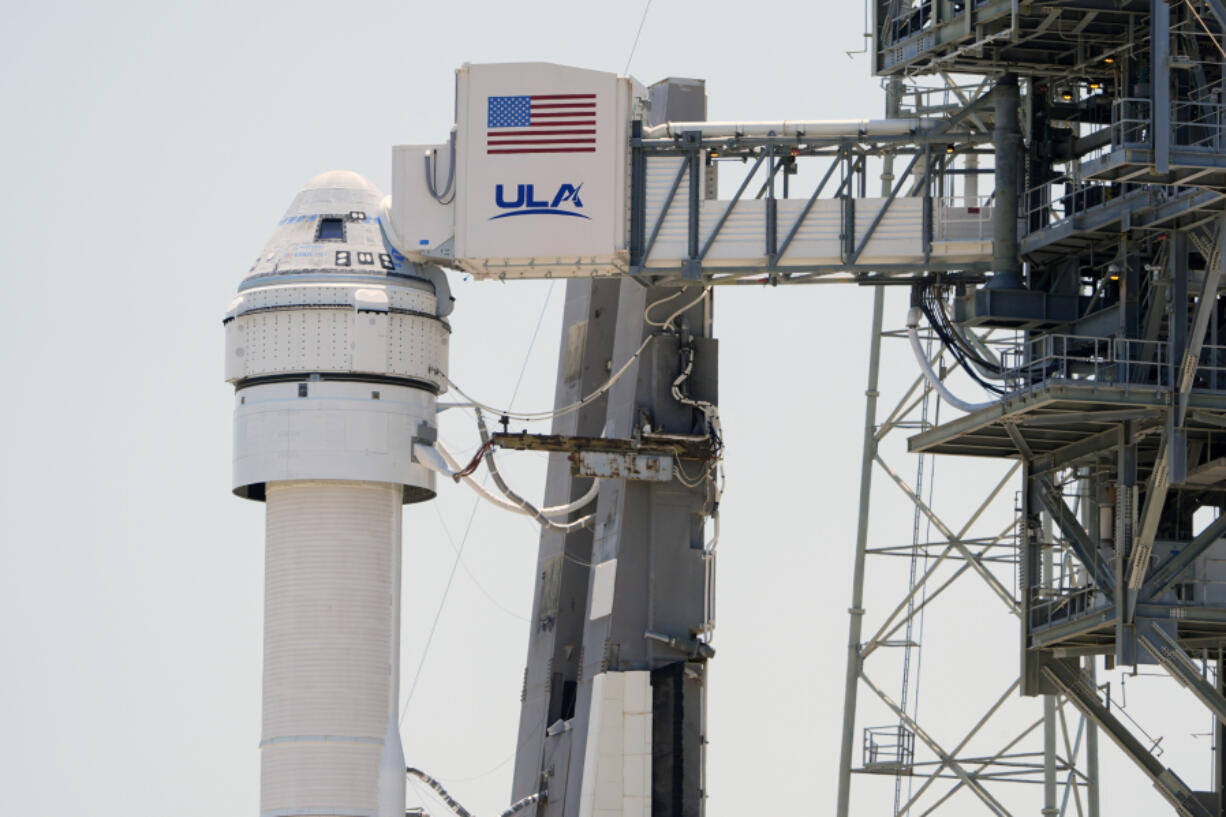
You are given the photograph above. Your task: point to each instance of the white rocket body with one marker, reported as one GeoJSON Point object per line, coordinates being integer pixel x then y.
{"type": "Point", "coordinates": [334, 345]}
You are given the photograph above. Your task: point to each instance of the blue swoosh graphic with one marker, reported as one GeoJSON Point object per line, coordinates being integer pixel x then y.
{"type": "Point", "coordinates": [543, 211]}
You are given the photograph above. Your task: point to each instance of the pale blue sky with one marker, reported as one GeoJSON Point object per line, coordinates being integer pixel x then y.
{"type": "Point", "coordinates": [149, 149]}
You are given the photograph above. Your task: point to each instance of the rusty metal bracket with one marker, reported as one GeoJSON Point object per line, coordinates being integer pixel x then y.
{"type": "Point", "coordinates": [648, 458]}
{"type": "Point", "coordinates": [681, 446]}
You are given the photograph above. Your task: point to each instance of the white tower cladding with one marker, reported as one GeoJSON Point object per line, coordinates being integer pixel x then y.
{"type": "Point", "coordinates": [335, 345]}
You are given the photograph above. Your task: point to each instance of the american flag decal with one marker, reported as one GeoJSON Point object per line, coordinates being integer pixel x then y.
{"type": "Point", "coordinates": [541, 123]}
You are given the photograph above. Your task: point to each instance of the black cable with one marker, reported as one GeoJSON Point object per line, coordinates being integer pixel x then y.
{"type": "Point", "coordinates": [455, 807]}
{"type": "Point", "coordinates": [953, 342]}
{"type": "Point", "coordinates": [932, 308]}
{"type": "Point", "coordinates": [936, 311]}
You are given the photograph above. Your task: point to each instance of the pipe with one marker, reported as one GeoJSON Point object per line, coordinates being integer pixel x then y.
{"type": "Point", "coordinates": [798, 128]}
{"type": "Point", "coordinates": [933, 380]}
{"type": "Point", "coordinates": [1006, 260]}
{"type": "Point", "coordinates": [531, 510]}
{"type": "Point", "coordinates": [521, 804]}
{"type": "Point", "coordinates": [450, 801]}
{"type": "Point", "coordinates": [441, 461]}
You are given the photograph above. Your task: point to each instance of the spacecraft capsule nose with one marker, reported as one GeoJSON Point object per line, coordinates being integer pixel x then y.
{"type": "Point", "coordinates": [338, 342]}
{"type": "Point", "coordinates": [333, 226]}
{"type": "Point", "coordinates": [340, 180]}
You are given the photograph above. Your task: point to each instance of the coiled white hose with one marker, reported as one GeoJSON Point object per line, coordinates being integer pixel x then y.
{"type": "Point", "coordinates": [935, 381]}
{"type": "Point", "coordinates": [439, 459]}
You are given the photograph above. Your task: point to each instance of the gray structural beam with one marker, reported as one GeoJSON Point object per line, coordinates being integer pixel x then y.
{"type": "Point", "coordinates": [650, 533]}
{"type": "Point", "coordinates": [1166, 573]}
{"type": "Point", "coordinates": [1080, 690]}
{"type": "Point", "coordinates": [551, 674]}
{"type": "Point", "coordinates": [1160, 70]}
{"type": "Point", "coordinates": [868, 454]}
{"type": "Point", "coordinates": [650, 541]}
{"type": "Point", "coordinates": [1170, 655]}
{"type": "Point", "coordinates": [1006, 261]}
{"type": "Point", "coordinates": [856, 611]}
{"type": "Point", "coordinates": [648, 545]}
{"type": "Point", "coordinates": [1205, 306]}
{"type": "Point", "coordinates": [1079, 540]}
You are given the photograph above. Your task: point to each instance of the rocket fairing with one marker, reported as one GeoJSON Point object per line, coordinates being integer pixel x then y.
{"type": "Point", "coordinates": [336, 345]}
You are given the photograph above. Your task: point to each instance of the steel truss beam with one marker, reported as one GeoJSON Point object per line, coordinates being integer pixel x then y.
{"type": "Point", "coordinates": [952, 556]}
{"type": "Point", "coordinates": [1080, 690]}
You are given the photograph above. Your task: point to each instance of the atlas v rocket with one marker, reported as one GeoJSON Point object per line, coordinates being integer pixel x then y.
{"type": "Point", "coordinates": [336, 346]}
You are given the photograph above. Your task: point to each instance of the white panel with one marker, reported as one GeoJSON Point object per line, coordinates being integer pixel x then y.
{"type": "Point", "coordinates": [741, 241]}
{"type": "Point", "coordinates": [1215, 570]}
{"type": "Point", "coordinates": [370, 335]}
{"type": "Point", "coordinates": [327, 644]}
{"type": "Point", "coordinates": [604, 577]}
{"type": "Point", "coordinates": [338, 430]}
{"type": "Point", "coordinates": [419, 222]}
{"type": "Point", "coordinates": [523, 200]}
{"type": "Point", "coordinates": [295, 328]}
{"type": "Point", "coordinates": [898, 238]}
{"type": "Point", "coordinates": [617, 757]}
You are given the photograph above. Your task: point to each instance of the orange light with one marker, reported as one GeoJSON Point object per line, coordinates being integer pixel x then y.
{"type": "Point", "coordinates": [1109, 60]}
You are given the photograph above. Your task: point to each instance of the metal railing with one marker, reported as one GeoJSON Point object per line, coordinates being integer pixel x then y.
{"type": "Point", "coordinates": [889, 748]}
{"type": "Point", "coordinates": [1049, 606]}
{"type": "Point", "coordinates": [1116, 361]}
{"type": "Point", "coordinates": [1077, 358]}
{"type": "Point", "coordinates": [1060, 198]}
{"type": "Point", "coordinates": [963, 218]}
{"type": "Point", "coordinates": [1131, 122]}
{"type": "Point", "coordinates": [1197, 123]}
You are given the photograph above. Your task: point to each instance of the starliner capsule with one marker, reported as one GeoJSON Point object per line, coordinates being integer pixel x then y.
{"type": "Point", "coordinates": [336, 346]}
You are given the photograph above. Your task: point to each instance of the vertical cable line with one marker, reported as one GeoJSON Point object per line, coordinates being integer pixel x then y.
{"type": "Point", "coordinates": [919, 540]}
{"type": "Point", "coordinates": [404, 709]}
{"type": "Point", "coordinates": [637, 34]}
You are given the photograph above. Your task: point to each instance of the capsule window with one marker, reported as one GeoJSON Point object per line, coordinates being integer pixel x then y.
{"type": "Point", "coordinates": [330, 229]}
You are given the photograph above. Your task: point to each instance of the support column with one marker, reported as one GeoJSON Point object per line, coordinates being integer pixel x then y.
{"type": "Point", "coordinates": [638, 731]}
{"type": "Point", "coordinates": [1160, 77]}
{"type": "Point", "coordinates": [559, 609]}
{"type": "Point", "coordinates": [1050, 809]}
{"type": "Point", "coordinates": [614, 702]}
{"type": "Point", "coordinates": [1006, 260]}
{"type": "Point", "coordinates": [868, 454]}
{"type": "Point", "coordinates": [1125, 514]}
{"type": "Point", "coordinates": [1219, 743]}
{"type": "Point", "coordinates": [856, 611]}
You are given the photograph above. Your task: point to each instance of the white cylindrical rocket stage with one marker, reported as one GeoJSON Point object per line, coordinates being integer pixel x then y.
{"type": "Point", "coordinates": [335, 345]}
{"type": "Point", "coordinates": [329, 605]}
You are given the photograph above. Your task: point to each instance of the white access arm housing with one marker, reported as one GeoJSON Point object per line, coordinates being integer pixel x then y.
{"type": "Point", "coordinates": [539, 189]}
{"type": "Point", "coordinates": [535, 182]}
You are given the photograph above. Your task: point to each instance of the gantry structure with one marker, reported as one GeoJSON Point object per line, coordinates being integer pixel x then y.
{"type": "Point", "coordinates": [1098, 335]}
{"type": "Point", "coordinates": [1048, 185]}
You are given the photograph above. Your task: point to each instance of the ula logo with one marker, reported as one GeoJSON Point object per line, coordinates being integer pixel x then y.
{"type": "Point", "coordinates": [525, 203]}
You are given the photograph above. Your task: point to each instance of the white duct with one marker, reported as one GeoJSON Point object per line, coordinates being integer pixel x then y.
{"type": "Point", "coordinates": [330, 646]}
{"type": "Point", "coordinates": [439, 459]}
{"type": "Point", "coordinates": [926, 367]}
{"type": "Point", "coordinates": [796, 128]}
